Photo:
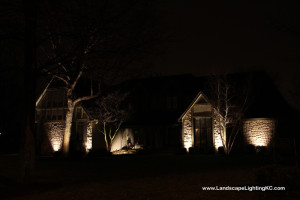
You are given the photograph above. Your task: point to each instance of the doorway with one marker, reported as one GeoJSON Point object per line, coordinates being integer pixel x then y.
{"type": "Point", "coordinates": [203, 133]}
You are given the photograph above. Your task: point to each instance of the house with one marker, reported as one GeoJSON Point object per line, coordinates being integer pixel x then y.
{"type": "Point", "coordinates": [171, 113]}
{"type": "Point", "coordinates": [168, 114]}
{"type": "Point", "coordinates": [198, 125]}
{"type": "Point", "coordinates": [200, 128]}
{"type": "Point", "coordinates": [155, 104]}
{"type": "Point", "coordinates": [51, 107]}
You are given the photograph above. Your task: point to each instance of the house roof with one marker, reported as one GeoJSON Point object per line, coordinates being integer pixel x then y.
{"type": "Point", "coordinates": [42, 94]}
{"type": "Point", "coordinates": [265, 100]}
{"type": "Point", "coordinates": [183, 90]}
{"type": "Point", "coordinates": [198, 97]}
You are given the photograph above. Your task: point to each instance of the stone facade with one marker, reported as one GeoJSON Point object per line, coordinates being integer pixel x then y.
{"type": "Point", "coordinates": [187, 137]}
{"type": "Point", "coordinates": [259, 132]}
{"type": "Point", "coordinates": [55, 134]}
{"type": "Point", "coordinates": [122, 139]}
{"type": "Point", "coordinates": [217, 130]}
{"type": "Point", "coordinates": [89, 137]}
{"type": "Point", "coordinates": [188, 127]}
{"type": "Point", "coordinates": [50, 119]}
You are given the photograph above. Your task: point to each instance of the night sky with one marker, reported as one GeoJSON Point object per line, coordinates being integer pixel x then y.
{"type": "Point", "coordinates": [208, 37]}
{"type": "Point", "coordinates": [205, 37]}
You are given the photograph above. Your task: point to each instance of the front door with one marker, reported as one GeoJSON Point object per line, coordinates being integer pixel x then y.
{"type": "Point", "coordinates": [202, 133]}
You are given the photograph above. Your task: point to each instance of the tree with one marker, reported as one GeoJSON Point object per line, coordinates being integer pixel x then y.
{"type": "Point", "coordinates": [91, 39]}
{"type": "Point", "coordinates": [18, 67]}
{"type": "Point", "coordinates": [229, 104]}
{"type": "Point", "coordinates": [27, 141]}
{"type": "Point", "coordinates": [111, 113]}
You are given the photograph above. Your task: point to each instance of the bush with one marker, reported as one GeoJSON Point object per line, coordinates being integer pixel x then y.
{"type": "Point", "coordinates": [98, 152]}
{"type": "Point", "coordinates": [261, 150]}
{"type": "Point", "coordinates": [192, 150]}
{"type": "Point", "coordinates": [250, 149]}
{"type": "Point", "coordinates": [181, 151]}
{"type": "Point", "coordinates": [221, 150]}
{"type": "Point", "coordinates": [57, 154]}
{"type": "Point", "coordinates": [211, 150]}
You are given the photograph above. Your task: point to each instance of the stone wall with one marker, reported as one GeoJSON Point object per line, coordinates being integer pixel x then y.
{"type": "Point", "coordinates": [217, 131]}
{"type": "Point", "coordinates": [259, 132]}
{"type": "Point", "coordinates": [187, 136]}
{"type": "Point", "coordinates": [122, 138]}
{"type": "Point", "coordinates": [89, 137]}
{"type": "Point", "coordinates": [55, 133]}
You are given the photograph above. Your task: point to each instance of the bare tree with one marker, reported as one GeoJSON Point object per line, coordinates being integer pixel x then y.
{"type": "Point", "coordinates": [111, 113]}
{"type": "Point", "coordinates": [91, 39]}
{"type": "Point", "coordinates": [229, 105]}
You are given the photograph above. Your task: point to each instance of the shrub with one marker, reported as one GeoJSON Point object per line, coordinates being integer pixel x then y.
{"type": "Point", "coordinates": [261, 150]}
{"type": "Point", "coordinates": [221, 150]}
{"type": "Point", "coordinates": [250, 149]}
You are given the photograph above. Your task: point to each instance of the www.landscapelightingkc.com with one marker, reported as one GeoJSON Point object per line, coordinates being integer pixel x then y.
{"type": "Point", "coordinates": [243, 188]}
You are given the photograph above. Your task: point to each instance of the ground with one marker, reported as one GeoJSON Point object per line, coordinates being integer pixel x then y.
{"type": "Point", "coordinates": [137, 177]}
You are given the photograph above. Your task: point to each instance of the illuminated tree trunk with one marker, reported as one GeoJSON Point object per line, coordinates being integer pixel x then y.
{"type": "Point", "coordinates": [227, 111]}
{"type": "Point", "coordinates": [69, 115]}
{"type": "Point", "coordinates": [108, 142]}
{"type": "Point", "coordinates": [67, 133]}
{"type": "Point", "coordinates": [224, 141]}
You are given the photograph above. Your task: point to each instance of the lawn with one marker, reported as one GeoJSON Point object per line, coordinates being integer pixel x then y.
{"type": "Point", "coordinates": [136, 177]}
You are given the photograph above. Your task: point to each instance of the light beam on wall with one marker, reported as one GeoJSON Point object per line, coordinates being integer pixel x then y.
{"type": "Point", "coordinates": [56, 145]}
{"type": "Point", "coordinates": [89, 138]}
{"type": "Point", "coordinates": [55, 131]}
{"type": "Point", "coordinates": [259, 132]}
{"type": "Point", "coordinates": [218, 141]}
{"type": "Point", "coordinates": [187, 131]}
{"type": "Point", "coordinates": [217, 131]}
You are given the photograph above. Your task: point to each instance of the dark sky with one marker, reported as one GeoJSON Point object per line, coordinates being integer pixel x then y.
{"type": "Point", "coordinates": [232, 36]}
{"type": "Point", "coordinates": [209, 35]}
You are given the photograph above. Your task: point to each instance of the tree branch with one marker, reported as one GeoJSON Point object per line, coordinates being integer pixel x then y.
{"type": "Point", "coordinates": [86, 98]}
{"type": "Point", "coordinates": [77, 78]}
{"type": "Point", "coordinates": [58, 77]}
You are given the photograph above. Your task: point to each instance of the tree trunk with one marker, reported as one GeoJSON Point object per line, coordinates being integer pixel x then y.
{"type": "Point", "coordinates": [108, 145]}
{"type": "Point", "coordinates": [226, 149]}
{"type": "Point", "coordinates": [67, 133]}
{"type": "Point", "coordinates": [27, 153]}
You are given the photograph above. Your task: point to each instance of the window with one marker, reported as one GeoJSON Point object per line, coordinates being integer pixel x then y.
{"type": "Point", "coordinates": [49, 114]}
{"type": "Point", "coordinates": [59, 117]}
{"type": "Point", "coordinates": [54, 116]}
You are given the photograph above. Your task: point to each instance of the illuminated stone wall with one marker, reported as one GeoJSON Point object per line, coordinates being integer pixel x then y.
{"type": "Point", "coordinates": [121, 139]}
{"type": "Point", "coordinates": [259, 132]}
{"type": "Point", "coordinates": [55, 132]}
{"type": "Point", "coordinates": [187, 136]}
{"type": "Point", "coordinates": [89, 137]}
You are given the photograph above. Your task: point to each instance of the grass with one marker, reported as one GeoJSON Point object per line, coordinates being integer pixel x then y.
{"type": "Point", "coordinates": [133, 177]}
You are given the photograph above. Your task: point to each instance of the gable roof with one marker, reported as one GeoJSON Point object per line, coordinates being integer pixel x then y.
{"type": "Point", "coordinates": [43, 92]}
{"type": "Point", "coordinates": [198, 97]}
